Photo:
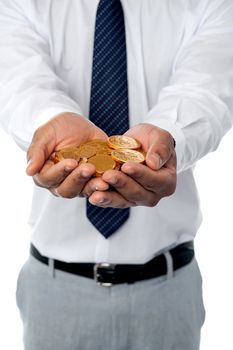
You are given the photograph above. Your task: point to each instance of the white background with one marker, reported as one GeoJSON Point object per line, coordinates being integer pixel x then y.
{"type": "Point", "coordinates": [213, 242]}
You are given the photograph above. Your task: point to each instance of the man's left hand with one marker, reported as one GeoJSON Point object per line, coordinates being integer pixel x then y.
{"type": "Point", "coordinates": [142, 184]}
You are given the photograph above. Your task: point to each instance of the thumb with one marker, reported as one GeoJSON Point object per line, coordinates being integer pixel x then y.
{"type": "Point", "coordinates": [36, 158]}
{"type": "Point", "coordinates": [41, 148]}
{"type": "Point", "coordinates": [157, 156]}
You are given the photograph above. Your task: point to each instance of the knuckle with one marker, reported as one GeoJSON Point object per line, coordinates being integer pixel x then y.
{"type": "Point", "coordinates": [173, 183]}
{"type": "Point", "coordinates": [38, 182]}
{"type": "Point", "coordinates": [83, 195]}
{"type": "Point", "coordinates": [166, 134]}
{"type": "Point", "coordinates": [153, 201]}
{"type": "Point", "coordinates": [71, 191]}
{"type": "Point", "coordinates": [170, 187]}
{"type": "Point", "coordinates": [60, 193]}
{"type": "Point", "coordinates": [139, 174]}
{"type": "Point", "coordinates": [120, 182]}
{"type": "Point", "coordinates": [150, 187]}
{"type": "Point", "coordinates": [168, 138]}
{"type": "Point", "coordinates": [119, 204]}
{"type": "Point", "coordinates": [86, 192]}
{"type": "Point", "coordinates": [165, 150]}
{"type": "Point", "coordinates": [68, 194]}
{"type": "Point", "coordinates": [137, 195]}
{"type": "Point", "coordinates": [54, 192]}
{"type": "Point", "coordinates": [123, 205]}
{"type": "Point", "coordinates": [77, 181]}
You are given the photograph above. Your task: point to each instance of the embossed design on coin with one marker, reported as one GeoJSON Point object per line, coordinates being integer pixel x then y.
{"type": "Point", "coordinates": [127, 155]}
{"type": "Point", "coordinates": [67, 153]}
{"type": "Point", "coordinates": [121, 141]}
{"type": "Point", "coordinates": [87, 151]}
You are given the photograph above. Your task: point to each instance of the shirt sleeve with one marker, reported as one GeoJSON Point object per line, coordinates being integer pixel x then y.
{"type": "Point", "coordinates": [30, 91]}
{"type": "Point", "coordinates": [197, 105]}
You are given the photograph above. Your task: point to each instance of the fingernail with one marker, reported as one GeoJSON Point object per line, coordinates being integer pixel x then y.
{"type": "Point", "coordinates": [158, 161]}
{"type": "Point", "coordinates": [95, 188]}
{"type": "Point", "coordinates": [29, 163]}
{"type": "Point", "coordinates": [103, 201]}
{"type": "Point", "coordinates": [28, 168]}
{"type": "Point", "coordinates": [68, 169]}
{"type": "Point", "coordinates": [127, 169]}
{"type": "Point", "coordinates": [85, 173]}
{"type": "Point", "coordinates": [113, 181]}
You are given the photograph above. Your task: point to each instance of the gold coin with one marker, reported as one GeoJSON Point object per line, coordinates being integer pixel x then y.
{"type": "Point", "coordinates": [67, 153]}
{"type": "Point", "coordinates": [56, 157]}
{"type": "Point", "coordinates": [118, 141]}
{"type": "Point", "coordinates": [87, 151]}
{"type": "Point", "coordinates": [117, 166]}
{"type": "Point", "coordinates": [83, 160]}
{"type": "Point", "coordinates": [127, 155]}
{"type": "Point", "coordinates": [104, 150]}
{"type": "Point", "coordinates": [100, 146]}
{"type": "Point", "coordinates": [96, 142]}
{"type": "Point", "coordinates": [102, 162]}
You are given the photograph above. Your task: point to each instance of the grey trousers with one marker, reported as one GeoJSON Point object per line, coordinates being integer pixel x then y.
{"type": "Point", "coordinates": [61, 311]}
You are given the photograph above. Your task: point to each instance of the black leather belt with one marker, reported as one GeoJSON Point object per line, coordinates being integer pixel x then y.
{"type": "Point", "coordinates": [109, 274]}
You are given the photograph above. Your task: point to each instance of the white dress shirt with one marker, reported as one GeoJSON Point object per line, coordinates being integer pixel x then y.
{"type": "Point", "coordinates": [180, 73]}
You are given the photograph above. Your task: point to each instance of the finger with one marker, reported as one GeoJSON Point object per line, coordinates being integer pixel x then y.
{"type": "Point", "coordinates": [109, 199]}
{"type": "Point", "coordinates": [55, 191]}
{"type": "Point", "coordinates": [73, 184]}
{"type": "Point", "coordinates": [158, 155]}
{"type": "Point", "coordinates": [129, 188]}
{"type": "Point", "coordinates": [95, 184]}
{"type": "Point", "coordinates": [162, 181]}
{"type": "Point", "coordinates": [172, 161]}
{"type": "Point", "coordinates": [51, 175]}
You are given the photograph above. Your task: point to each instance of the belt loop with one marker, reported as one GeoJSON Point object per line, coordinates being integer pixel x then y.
{"type": "Point", "coordinates": [51, 267]}
{"type": "Point", "coordinates": [169, 261]}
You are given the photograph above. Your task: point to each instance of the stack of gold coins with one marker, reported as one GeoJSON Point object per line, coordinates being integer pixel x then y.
{"type": "Point", "coordinates": [104, 155]}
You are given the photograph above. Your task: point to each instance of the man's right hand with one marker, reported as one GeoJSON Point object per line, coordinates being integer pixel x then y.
{"type": "Point", "coordinates": [66, 178]}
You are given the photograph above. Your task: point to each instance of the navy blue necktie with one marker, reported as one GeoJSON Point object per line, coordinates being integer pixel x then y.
{"type": "Point", "coordinates": [109, 95]}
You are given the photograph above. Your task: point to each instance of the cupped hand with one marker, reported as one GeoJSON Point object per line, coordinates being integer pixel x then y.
{"type": "Point", "coordinates": [142, 184]}
{"type": "Point", "coordinates": [65, 178]}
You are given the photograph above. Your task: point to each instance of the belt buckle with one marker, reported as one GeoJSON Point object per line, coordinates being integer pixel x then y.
{"type": "Point", "coordinates": [97, 273]}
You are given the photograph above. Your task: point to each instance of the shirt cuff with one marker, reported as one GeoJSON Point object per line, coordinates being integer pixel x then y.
{"type": "Point", "coordinates": [177, 134]}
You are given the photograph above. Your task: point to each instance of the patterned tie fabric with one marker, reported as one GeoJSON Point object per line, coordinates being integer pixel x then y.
{"type": "Point", "coordinates": [109, 95]}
